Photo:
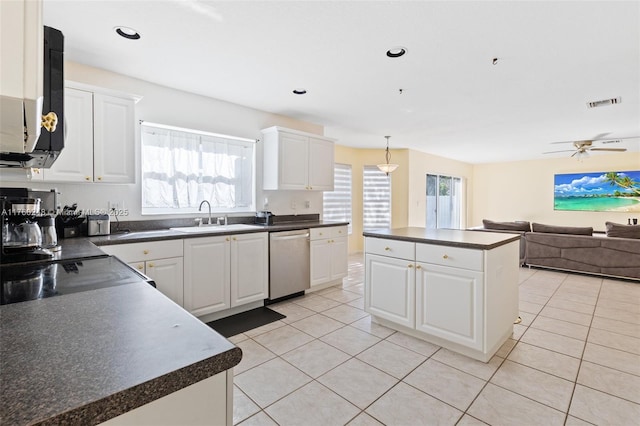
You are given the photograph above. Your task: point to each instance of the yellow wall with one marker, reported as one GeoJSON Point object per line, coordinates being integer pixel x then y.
{"type": "Point", "coordinates": [408, 184]}
{"type": "Point", "coordinates": [523, 190]}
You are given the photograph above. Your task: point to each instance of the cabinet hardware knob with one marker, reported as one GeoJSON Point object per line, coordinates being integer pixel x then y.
{"type": "Point", "coordinates": [234, 239]}
{"type": "Point", "coordinates": [151, 265]}
{"type": "Point", "coordinates": [445, 257]}
{"type": "Point", "coordinates": [410, 266]}
{"type": "Point", "coordinates": [227, 239]}
{"type": "Point", "coordinates": [140, 267]}
{"type": "Point", "coordinates": [99, 177]}
{"type": "Point", "coordinates": [145, 251]}
{"type": "Point", "coordinates": [87, 178]}
{"type": "Point", "coordinates": [418, 267]}
{"type": "Point", "coordinates": [387, 248]}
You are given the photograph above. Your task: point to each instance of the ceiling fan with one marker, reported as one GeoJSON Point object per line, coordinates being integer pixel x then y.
{"type": "Point", "coordinates": [583, 147]}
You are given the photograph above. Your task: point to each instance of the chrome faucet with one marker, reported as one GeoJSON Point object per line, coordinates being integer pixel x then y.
{"type": "Point", "coordinates": [209, 205]}
{"type": "Point", "coordinates": [222, 218]}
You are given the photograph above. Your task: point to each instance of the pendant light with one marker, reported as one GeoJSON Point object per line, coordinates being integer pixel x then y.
{"type": "Point", "coordinates": [387, 167]}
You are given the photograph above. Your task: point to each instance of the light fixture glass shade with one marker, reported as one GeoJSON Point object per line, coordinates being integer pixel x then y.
{"type": "Point", "coordinates": [581, 155]}
{"type": "Point", "coordinates": [387, 167]}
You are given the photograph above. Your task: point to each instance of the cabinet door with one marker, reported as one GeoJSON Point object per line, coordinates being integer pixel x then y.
{"type": "Point", "coordinates": [390, 289]}
{"type": "Point", "coordinates": [339, 258]}
{"type": "Point", "coordinates": [449, 304]}
{"type": "Point", "coordinates": [321, 258]}
{"type": "Point", "coordinates": [249, 268]}
{"type": "Point", "coordinates": [293, 161]}
{"type": "Point", "coordinates": [167, 274]}
{"type": "Point", "coordinates": [75, 163]}
{"type": "Point", "coordinates": [206, 274]}
{"type": "Point", "coordinates": [114, 139]}
{"type": "Point", "coordinates": [321, 159]}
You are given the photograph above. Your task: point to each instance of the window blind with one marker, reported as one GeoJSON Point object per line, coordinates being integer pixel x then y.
{"type": "Point", "coordinates": [337, 203]}
{"type": "Point", "coordinates": [376, 199]}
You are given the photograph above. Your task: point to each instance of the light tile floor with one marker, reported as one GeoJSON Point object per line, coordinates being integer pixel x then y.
{"type": "Point", "coordinates": [574, 360]}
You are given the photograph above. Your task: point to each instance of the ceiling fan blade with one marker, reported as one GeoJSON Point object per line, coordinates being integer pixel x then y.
{"type": "Point", "coordinates": [615, 139]}
{"type": "Point", "coordinates": [609, 149]}
{"type": "Point", "coordinates": [601, 135]}
{"type": "Point", "coordinates": [562, 142]}
{"type": "Point", "coordinates": [574, 154]}
{"type": "Point", "coordinates": [564, 150]}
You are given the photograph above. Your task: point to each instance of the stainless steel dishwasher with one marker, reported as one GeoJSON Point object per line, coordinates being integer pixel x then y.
{"type": "Point", "coordinates": [288, 263]}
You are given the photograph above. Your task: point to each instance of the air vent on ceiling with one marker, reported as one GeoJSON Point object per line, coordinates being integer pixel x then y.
{"type": "Point", "coordinates": [604, 102]}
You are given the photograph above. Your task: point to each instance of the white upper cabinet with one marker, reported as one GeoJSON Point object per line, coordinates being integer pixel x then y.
{"type": "Point", "coordinates": [297, 160]}
{"type": "Point", "coordinates": [100, 141]}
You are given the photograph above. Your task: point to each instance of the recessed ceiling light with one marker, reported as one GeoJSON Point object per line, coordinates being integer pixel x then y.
{"type": "Point", "coordinates": [127, 32]}
{"type": "Point", "coordinates": [396, 52]}
{"type": "Point", "coordinates": [299, 91]}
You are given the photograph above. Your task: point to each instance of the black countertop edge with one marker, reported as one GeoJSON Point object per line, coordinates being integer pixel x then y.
{"type": "Point", "coordinates": [167, 234]}
{"type": "Point", "coordinates": [441, 242]}
{"type": "Point", "coordinates": [120, 403]}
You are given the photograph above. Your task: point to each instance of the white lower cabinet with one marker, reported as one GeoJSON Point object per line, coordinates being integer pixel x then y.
{"type": "Point", "coordinates": [329, 251]}
{"type": "Point", "coordinates": [464, 299]}
{"type": "Point", "coordinates": [225, 271]}
{"type": "Point", "coordinates": [160, 260]}
{"type": "Point", "coordinates": [167, 274]}
{"type": "Point", "coordinates": [450, 303]}
{"type": "Point", "coordinates": [390, 289]}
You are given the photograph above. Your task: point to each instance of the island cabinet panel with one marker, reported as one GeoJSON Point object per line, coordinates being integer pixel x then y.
{"type": "Point", "coordinates": [390, 289]}
{"type": "Point", "coordinates": [453, 288]}
{"type": "Point", "coordinates": [203, 403]}
{"type": "Point", "coordinates": [449, 304]}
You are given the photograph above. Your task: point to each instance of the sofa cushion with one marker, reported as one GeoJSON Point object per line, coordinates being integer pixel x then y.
{"type": "Point", "coordinates": [506, 226]}
{"type": "Point", "coordinates": [554, 229]}
{"type": "Point", "coordinates": [622, 231]}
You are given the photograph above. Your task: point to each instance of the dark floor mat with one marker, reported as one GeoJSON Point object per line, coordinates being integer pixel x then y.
{"type": "Point", "coordinates": [245, 321]}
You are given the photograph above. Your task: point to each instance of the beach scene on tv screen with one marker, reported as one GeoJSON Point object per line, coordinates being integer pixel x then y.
{"type": "Point", "coordinates": [598, 191]}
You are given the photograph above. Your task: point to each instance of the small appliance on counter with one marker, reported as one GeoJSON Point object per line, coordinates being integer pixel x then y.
{"type": "Point", "coordinates": [69, 222]}
{"type": "Point", "coordinates": [264, 218]}
{"type": "Point", "coordinates": [21, 234]}
{"type": "Point", "coordinates": [98, 224]}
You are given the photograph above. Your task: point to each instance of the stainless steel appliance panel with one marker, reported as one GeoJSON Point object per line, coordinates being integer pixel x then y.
{"type": "Point", "coordinates": [288, 263]}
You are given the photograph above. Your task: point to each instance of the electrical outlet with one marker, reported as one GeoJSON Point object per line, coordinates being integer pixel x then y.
{"type": "Point", "coordinates": [307, 204]}
{"type": "Point", "coordinates": [113, 205]}
{"type": "Point", "coordinates": [293, 204]}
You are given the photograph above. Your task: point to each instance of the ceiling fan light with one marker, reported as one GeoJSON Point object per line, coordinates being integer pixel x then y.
{"type": "Point", "coordinates": [582, 155]}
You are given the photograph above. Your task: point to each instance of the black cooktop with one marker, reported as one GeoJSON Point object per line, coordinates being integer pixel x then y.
{"type": "Point", "coordinates": [21, 283]}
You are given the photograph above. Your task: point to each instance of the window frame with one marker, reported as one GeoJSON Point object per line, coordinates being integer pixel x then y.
{"type": "Point", "coordinates": [235, 141]}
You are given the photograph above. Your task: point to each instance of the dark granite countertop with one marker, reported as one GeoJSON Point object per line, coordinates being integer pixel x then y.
{"type": "Point", "coordinates": [167, 234]}
{"type": "Point", "coordinates": [445, 237]}
{"type": "Point", "coordinates": [87, 357]}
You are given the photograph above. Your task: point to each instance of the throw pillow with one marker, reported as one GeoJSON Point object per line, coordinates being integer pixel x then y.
{"type": "Point", "coordinates": [622, 231]}
{"type": "Point", "coordinates": [554, 229]}
{"type": "Point", "coordinates": [506, 226]}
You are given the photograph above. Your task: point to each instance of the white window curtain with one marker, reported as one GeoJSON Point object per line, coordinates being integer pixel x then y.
{"type": "Point", "coordinates": [337, 203]}
{"type": "Point", "coordinates": [376, 189]}
{"type": "Point", "coordinates": [181, 168]}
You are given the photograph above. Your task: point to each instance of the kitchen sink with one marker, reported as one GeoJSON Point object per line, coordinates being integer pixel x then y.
{"type": "Point", "coordinates": [215, 228]}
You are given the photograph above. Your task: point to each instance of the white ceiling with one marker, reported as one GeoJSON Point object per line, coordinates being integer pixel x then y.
{"type": "Point", "coordinates": [553, 57]}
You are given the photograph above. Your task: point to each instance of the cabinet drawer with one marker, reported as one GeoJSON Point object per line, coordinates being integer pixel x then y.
{"type": "Point", "coordinates": [137, 252]}
{"type": "Point", "coordinates": [391, 248]}
{"type": "Point", "coordinates": [455, 257]}
{"type": "Point", "coordinates": [328, 232]}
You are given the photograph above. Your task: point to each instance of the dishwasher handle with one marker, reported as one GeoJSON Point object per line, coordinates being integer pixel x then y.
{"type": "Point", "coordinates": [289, 237]}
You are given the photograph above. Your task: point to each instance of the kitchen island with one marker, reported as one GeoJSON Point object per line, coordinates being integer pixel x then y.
{"type": "Point", "coordinates": [457, 289]}
{"type": "Point", "coordinates": [125, 353]}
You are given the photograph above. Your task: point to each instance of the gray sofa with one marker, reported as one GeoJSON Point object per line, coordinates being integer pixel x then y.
{"type": "Point", "coordinates": [615, 253]}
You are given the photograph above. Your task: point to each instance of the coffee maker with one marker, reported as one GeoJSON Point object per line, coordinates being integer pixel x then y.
{"type": "Point", "coordinates": [22, 236]}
